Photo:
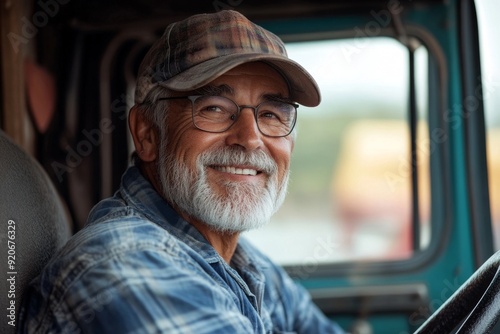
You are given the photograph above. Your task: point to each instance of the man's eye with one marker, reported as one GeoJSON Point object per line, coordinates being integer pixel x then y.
{"type": "Point", "coordinates": [269, 114]}
{"type": "Point", "coordinates": [212, 109]}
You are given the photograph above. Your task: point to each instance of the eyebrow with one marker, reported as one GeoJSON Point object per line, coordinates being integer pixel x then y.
{"type": "Point", "coordinates": [277, 97]}
{"type": "Point", "coordinates": [227, 90]}
{"type": "Point", "coordinates": [215, 90]}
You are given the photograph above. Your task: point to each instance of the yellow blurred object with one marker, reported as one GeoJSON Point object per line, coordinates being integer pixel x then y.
{"type": "Point", "coordinates": [372, 182]}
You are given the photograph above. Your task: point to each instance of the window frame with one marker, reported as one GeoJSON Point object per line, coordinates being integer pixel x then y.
{"type": "Point", "coordinates": [440, 221]}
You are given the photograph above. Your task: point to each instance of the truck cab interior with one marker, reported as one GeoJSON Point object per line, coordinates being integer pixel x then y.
{"type": "Point", "coordinates": [392, 220]}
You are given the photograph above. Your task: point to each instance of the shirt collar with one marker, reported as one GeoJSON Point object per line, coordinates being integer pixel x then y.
{"type": "Point", "coordinates": [138, 192]}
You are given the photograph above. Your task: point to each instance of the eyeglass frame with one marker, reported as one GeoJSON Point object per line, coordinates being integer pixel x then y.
{"type": "Point", "coordinates": [193, 98]}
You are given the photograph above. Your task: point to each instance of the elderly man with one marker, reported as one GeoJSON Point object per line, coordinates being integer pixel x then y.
{"type": "Point", "coordinates": [213, 131]}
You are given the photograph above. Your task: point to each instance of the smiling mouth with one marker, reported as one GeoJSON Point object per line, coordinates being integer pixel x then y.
{"type": "Point", "coordinates": [236, 171]}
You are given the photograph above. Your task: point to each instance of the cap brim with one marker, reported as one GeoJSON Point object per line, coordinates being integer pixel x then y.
{"type": "Point", "coordinates": [303, 87]}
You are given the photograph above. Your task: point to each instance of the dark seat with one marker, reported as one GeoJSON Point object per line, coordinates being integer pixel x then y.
{"type": "Point", "coordinates": [34, 224]}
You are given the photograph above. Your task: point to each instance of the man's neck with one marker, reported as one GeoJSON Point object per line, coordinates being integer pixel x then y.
{"type": "Point", "coordinates": [225, 243]}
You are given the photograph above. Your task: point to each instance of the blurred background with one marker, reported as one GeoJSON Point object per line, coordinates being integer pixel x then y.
{"type": "Point", "coordinates": [350, 185]}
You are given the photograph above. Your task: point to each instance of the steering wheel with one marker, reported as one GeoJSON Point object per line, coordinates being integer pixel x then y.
{"type": "Point", "coordinates": [475, 306]}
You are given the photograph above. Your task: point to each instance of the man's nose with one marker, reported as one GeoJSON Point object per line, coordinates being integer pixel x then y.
{"type": "Point", "coordinates": [245, 132]}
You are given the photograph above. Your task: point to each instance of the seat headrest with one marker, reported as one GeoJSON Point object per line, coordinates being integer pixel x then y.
{"type": "Point", "coordinates": [34, 222]}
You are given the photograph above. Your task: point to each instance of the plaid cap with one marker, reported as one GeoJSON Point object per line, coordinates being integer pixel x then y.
{"type": "Point", "coordinates": [193, 52]}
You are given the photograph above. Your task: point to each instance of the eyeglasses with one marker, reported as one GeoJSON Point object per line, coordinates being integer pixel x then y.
{"type": "Point", "coordinates": [217, 114]}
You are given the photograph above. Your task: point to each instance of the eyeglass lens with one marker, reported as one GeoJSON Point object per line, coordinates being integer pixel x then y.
{"type": "Point", "coordinates": [217, 114]}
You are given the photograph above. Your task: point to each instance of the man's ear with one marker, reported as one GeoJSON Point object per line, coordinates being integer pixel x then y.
{"type": "Point", "coordinates": [144, 134]}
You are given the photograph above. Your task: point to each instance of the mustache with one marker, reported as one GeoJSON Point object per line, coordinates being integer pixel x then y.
{"type": "Point", "coordinates": [226, 156]}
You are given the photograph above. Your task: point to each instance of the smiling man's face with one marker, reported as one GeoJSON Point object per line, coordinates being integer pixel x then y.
{"type": "Point", "coordinates": [234, 180]}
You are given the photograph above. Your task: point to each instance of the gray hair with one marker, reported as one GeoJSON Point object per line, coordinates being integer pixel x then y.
{"type": "Point", "coordinates": [155, 111]}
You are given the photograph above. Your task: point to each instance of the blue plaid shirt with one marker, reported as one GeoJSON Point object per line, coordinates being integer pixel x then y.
{"type": "Point", "coordinates": [137, 267]}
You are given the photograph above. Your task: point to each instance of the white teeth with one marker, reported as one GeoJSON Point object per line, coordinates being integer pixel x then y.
{"type": "Point", "coordinates": [237, 171]}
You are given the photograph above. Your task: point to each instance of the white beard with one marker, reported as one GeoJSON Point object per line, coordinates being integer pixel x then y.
{"type": "Point", "coordinates": [244, 206]}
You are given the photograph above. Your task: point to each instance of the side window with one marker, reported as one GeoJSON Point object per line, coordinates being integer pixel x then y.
{"type": "Point", "coordinates": [490, 53]}
{"type": "Point", "coordinates": [350, 191]}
